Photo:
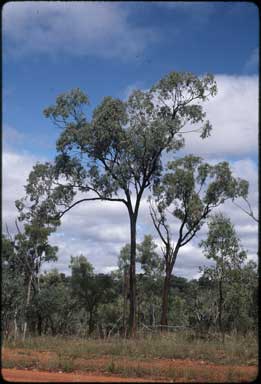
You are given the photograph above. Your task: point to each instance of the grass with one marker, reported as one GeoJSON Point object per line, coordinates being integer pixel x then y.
{"type": "Point", "coordinates": [236, 350]}
{"type": "Point", "coordinates": [70, 354]}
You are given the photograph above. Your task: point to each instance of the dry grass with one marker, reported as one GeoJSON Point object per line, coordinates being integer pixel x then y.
{"type": "Point", "coordinates": [147, 357]}
{"type": "Point", "coordinates": [236, 350]}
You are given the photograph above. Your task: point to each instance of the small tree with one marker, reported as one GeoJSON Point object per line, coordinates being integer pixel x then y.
{"type": "Point", "coordinates": [188, 192]}
{"type": "Point", "coordinates": [117, 155]}
{"type": "Point", "coordinates": [124, 265]}
{"type": "Point", "coordinates": [12, 292]}
{"type": "Point", "coordinates": [149, 280]}
{"type": "Point", "coordinates": [150, 261]}
{"type": "Point", "coordinates": [223, 246]}
{"type": "Point", "coordinates": [31, 245]}
{"type": "Point", "coordinates": [91, 290]}
{"type": "Point", "coordinates": [52, 307]}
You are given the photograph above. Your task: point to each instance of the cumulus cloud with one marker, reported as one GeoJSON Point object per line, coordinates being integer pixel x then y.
{"type": "Point", "coordinates": [15, 172]}
{"type": "Point", "coordinates": [233, 113]}
{"type": "Point", "coordinates": [75, 28]}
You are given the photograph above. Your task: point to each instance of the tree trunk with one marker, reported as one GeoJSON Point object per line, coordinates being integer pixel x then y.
{"type": "Point", "coordinates": [221, 309]}
{"type": "Point", "coordinates": [132, 291]}
{"type": "Point", "coordinates": [165, 298]}
{"type": "Point", "coordinates": [91, 324]}
{"type": "Point", "coordinates": [39, 324]}
{"type": "Point", "coordinates": [15, 325]}
{"type": "Point", "coordinates": [125, 296]}
{"type": "Point", "coordinates": [28, 298]}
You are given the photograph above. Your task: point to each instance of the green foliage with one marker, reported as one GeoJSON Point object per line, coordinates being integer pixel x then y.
{"type": "Point", "coordinates": [228, 274]}
{"type": "Point", "coordinates": [90, 290]}
{"type": "Point", "coordinates": [124, 258]}
{"type": "Point", "coordinates": [12, 287]}
{"type": "Point", "coordinates": [52, 307]}
{"type": "Point", "coordinates": [193, 188]}
{"type": "Point", "coordinates": [148, 258]}
{"type": "Point", "coordinates": [223, 245]}
{"type": "Point", "coordinates": [121, 145]}
{"type": "Point", "coordinates": [188, 191]}
{"type": "Point", "coordinates": [62, 304]}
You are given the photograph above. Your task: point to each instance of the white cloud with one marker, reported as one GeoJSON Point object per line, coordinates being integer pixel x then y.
{"type": "Point", "coordinates": [233, 114]}
{"type": "Point", "coordinates": [75, 28]}
{"type": "Point", "coordinates": [15, 172]}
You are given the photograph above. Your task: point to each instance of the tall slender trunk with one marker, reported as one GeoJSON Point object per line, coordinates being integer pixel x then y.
{"type": "Point", "coordinates": [15, 325]}
{"type": "Point", "coordinates": [221, 309]}
{"type": "Point", "coordinates": [132, 292]}
{"type": "Point", "coordinates": [165, 297]}
{"type": "Point", "coordinates": [39, 324]}
{"type": "Point", "coordinates": [28, 298]}
{"type": "Point", "coordinates": [125, 296]}
{"type": "Point", "coordinates": [91, 323]}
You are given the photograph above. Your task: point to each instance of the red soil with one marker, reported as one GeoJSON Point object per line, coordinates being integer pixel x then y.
{"type": "Point", "coordinates": [19, 375]}
{"type": "Point", "coordinates": [199, 371]}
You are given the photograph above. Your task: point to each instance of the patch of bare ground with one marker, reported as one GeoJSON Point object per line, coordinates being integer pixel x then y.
{"type": "Point", "coordinates": [19, 375]}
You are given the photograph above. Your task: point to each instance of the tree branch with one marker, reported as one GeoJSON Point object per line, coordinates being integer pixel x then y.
{"type": "Point", "coordinates": [89, 199]}
{"type": "Point", "coordinates": [157, 223]}
{"type": "Point", "coordinates": [250, 212]}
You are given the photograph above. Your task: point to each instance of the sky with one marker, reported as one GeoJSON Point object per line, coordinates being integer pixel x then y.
{"type": "Point", "coordinates": [112, 48]}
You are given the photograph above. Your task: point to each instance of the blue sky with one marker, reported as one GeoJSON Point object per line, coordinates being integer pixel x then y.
{"type": "Point", "coordinates": [205, 37]}
{"type": "Point", "coordinates": [109, 49]}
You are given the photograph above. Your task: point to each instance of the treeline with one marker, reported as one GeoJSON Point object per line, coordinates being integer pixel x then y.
{"type": "Point", "coordinates": [86, 303]}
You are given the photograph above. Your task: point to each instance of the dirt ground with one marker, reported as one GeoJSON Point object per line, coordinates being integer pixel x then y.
{"type": "Point", "coordinates": [19, 375]}
{"type": "Point", "coordinates": [200, 371]}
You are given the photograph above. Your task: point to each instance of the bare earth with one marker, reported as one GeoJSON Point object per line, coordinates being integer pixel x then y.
{"type": "Point", "coordinates": [18, 375]}
{"type": "Point", "coordinates": [97, 369]}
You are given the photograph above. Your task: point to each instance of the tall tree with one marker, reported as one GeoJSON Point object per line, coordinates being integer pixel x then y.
{"type": "Point", "coordinates": [223, 246]}
{"type": "Point", "coordinates": [188, 191]}
{"type": "Point", "coordinates": [117, 154]}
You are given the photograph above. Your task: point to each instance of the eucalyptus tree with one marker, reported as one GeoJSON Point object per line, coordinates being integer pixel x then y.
{"type": "Point", "coordinates": [12, 292]}
{"type": "Point", "coordinates": [149, 281]}
{"type": "Point", "coordinates": [116, 155]}
{"type": "Point", "coordinates": [31, 244]}
{"type": "Point", "coordinates": [150, 261]}
{"type": "Point", "coordinates": [91, 290]}
{"type": "Point", "coordinates": [123, 267]}
{"type": "Point", "coordinates": [222, 245]}
{"type": "Point", "coordinates": [188, 192]}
